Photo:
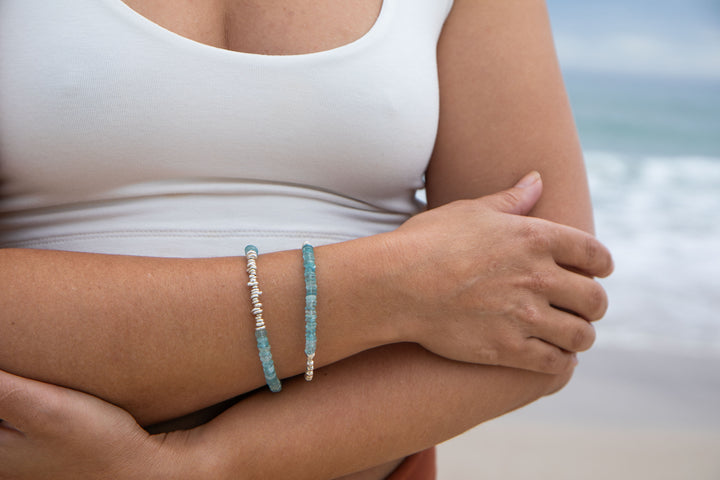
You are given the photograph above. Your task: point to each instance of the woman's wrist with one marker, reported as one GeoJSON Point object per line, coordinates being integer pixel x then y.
{"type": "Point", "coordinates": [177, 456]}
{"type": "Point", "coordinates": [357, 280]}
{"type": "Point", "coordinates": [395, 288]}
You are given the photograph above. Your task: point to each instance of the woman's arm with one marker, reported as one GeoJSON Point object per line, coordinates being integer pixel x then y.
{"type": "Point", "coordinates": [504, 111]}
{"type": "Point", "coordinates": [362, 412]}
{"type": "Point", "coordinates": [317, 431]}
{"type": "Point", "coordinates": [163, 337]}
{"type": "Point", "coordinates": [368, 410]}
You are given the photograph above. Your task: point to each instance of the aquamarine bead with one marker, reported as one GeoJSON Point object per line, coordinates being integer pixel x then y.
{"type": "Point", "coordinates": [266, 359]}
{"type": "Point", "coordinates": [308, 255]}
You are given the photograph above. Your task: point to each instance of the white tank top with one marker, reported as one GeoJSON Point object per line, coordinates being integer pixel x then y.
{"type": "Point", "coordinates": [118, 136]}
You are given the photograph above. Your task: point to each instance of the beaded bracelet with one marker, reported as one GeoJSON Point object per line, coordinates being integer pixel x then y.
{"type": "Point", "coordinates": [308, 255]}
{"type": "Point", "coordinates": [263, 344]}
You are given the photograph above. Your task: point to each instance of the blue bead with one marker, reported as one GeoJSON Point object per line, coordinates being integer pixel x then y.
{"type": "Point", "coordinates": [268, 366]}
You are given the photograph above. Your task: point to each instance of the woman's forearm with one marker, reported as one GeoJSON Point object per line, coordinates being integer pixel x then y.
{"type": "Point", "coordinates": [367, 410]}
{"type": "Point", "coordinates": [364, 411]}
{"type": "Point", "coordinates": [165, 337]}
{"type": "Point", "coordinates": [473, 281]}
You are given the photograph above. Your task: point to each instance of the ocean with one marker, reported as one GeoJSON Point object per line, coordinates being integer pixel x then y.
{"type": "Point", "coordinates": [652, 148]}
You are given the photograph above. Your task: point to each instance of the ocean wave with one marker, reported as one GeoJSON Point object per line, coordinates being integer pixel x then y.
{"type": "Point", "coordinates": [660, 216]}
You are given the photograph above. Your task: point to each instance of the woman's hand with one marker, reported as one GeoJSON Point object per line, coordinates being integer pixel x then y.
{"type": "Point", "coordinates": [480, 282]}
{"type": "Point", "coordinates": [50, 432]}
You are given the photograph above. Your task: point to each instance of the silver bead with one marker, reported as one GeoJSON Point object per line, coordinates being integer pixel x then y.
{"type": "Point", "coordinates": [309, 369]}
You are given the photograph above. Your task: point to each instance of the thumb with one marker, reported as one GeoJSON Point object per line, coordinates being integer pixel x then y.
{"type": "Point", "coordinates": [521, 198]}
{"type": "Point", "coordinates": [23, 401]}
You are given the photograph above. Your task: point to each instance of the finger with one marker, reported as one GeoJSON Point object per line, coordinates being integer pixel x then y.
{"type": "Point", "coordinates": [518, 200]}
{"type": "Point", "coordinates": [23, 402]}
{"type": "Point", "coordinates": [577, 294]}
{"type": "Point", "coordinates": [581, 251]}
{"type": "Point", "coordinates": [540, 356]}
{"type": "Point", "coordinates": [565, 331]}
{"type": "Point", "coordinates": [12, 395]}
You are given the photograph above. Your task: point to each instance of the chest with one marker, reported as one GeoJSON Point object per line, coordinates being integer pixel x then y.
{"type": "Point", "coordinates": [99, 98]}
{"type": "Point", "coordinates": [271, 27]}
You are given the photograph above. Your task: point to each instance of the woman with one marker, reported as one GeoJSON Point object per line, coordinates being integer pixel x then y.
{"type": "Point", "coordinates": [186, 130]}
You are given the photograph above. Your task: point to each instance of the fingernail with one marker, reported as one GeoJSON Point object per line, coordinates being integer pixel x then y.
{"type": "Point", "coordinates": [528, 180]}
{"type": "Point", "coordinates": [575, 359]}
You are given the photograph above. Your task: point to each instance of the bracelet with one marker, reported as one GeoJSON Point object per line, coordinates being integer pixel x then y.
{"type": "Point", "coordinates": [263, 344]}
{"type": "Point", "coordinates": [308, 255]}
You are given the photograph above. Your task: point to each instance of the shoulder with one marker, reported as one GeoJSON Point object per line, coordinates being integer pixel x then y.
{"type": "Point", "coordinates": [479, 31]}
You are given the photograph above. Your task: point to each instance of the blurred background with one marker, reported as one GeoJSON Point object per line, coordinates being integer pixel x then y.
{"type": "Point", "coordinates": [644, 80]}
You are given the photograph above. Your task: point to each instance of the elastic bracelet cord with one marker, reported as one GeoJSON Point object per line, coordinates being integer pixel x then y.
{"type": "Point", "coordinates": [308, 255]}
{"type": "Point", "coordinates": [263, 344]}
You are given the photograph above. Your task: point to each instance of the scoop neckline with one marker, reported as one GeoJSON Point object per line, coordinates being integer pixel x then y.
{"type": "Point", "coordinates": [138, 19]}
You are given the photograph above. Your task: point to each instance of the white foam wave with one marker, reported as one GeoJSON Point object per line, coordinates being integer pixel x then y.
{"type": "Point", "coordinates": [661, 218]}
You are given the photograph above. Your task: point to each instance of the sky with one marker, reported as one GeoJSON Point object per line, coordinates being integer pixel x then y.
{"type": "Point", "coordinates": [671, 38]}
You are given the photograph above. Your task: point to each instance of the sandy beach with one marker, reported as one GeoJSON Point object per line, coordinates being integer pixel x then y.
{"type": "Point", "coordinates": [626, 415]}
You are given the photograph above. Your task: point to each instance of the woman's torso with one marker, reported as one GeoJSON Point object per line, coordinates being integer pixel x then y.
{"type": "Point", "coordinates": [120, 136]}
